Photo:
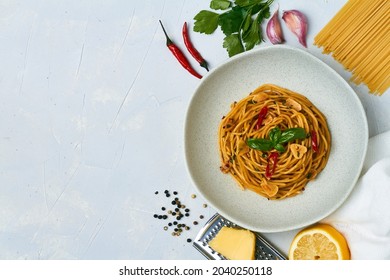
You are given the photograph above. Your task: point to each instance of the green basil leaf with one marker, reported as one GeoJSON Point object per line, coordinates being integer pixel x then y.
{"type": "Point", "coordinates": [259, 144]}
{"type": "Point", "coordinates": [274, 135]}
{"type": "Point", "coordinates": [280, 148]}
{"type": "Point", "coordinates": [291, 134]}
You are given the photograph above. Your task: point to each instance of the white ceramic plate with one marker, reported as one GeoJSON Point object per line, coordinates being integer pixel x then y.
{"type": "Point", "coordinates": [301, 72]}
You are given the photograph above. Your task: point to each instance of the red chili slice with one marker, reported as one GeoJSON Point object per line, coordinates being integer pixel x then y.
{"type": "Point", "coordinates": [271, 165]}
{"type": "Point", "coordinates": [314, 141]}
{"type": "Point", "coordinates": [260, 118]}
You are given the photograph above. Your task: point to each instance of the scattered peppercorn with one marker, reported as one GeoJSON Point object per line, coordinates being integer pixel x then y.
{"type": "Point", "coordinates": [178, 212]}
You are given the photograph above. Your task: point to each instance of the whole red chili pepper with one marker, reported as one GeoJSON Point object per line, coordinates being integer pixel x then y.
{"type": "Point", "coordinates": [179, 54]}
{"type": "Point", "coordinates": [314, 141]}
{"type": "Point", "coordinates": [190, 47]}
{"type": "Point", "coordinates": [262, 114]}
{"type": "Point", "coordinates": [271, 165]}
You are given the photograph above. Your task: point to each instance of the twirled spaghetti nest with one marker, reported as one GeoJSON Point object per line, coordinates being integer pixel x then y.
{"type": "Point", "coordinates": [273, 142]}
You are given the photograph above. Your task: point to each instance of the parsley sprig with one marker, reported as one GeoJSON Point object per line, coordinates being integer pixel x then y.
{"type": "Point", "coordinates": [240, 22]}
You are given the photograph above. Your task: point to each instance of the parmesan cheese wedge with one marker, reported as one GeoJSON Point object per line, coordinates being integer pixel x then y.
{"type": "Point", "coordinates": [234, 244]}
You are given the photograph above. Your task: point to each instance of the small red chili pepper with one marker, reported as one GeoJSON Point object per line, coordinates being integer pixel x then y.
{"type": "Point", "coordinates": [271, 165]}
{"type": "Point", "coordinates": [190, 47]}
{"type": "Point", "coordinates": [314, 141]}
{"type": "Point", "coordinates": [179, 54]}
{"type": "Point", "coordinates": [262, 114]}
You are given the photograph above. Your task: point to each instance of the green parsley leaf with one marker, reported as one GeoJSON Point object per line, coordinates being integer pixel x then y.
{"type": "Point", "coordinates": [241, 22]}
{"type": "Point", "coordinates": [259, 7]}
{"type": "Point", "coordinates": [220, 4]}
{"type": "Point", "coordinates": [263, 14]}
{"type": "Point", "coordinates": [230, 22]}
{"type": "Point", "coordinates": [233, 45]}
{"type": "Point", "coordinates": [252, 36]}
{"type": "Point", "coordinates": [247, 22]}
{"type": "Point", "coordinates": [245, 3]}
{"type": "Point", "coordinates": [206, 22]}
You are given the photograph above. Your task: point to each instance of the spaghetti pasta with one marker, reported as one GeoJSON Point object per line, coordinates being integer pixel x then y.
{"type": "Point", "coordinates": [358, 37]}
{"type": "Point", "coordinates": [294, 136]}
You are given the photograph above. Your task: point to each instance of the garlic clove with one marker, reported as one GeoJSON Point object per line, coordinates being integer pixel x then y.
{"type": "Point", "coordinates": [297, 23]}
{"type": "Point", "coordinates": [274, 30]}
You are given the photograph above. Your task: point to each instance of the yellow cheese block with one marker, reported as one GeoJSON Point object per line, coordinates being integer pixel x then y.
{"type": "Point", "coordinates": [234, 244]}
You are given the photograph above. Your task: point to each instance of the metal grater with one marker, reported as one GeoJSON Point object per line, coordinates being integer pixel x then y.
{"type": "Point", "coordinates": [264, 250]}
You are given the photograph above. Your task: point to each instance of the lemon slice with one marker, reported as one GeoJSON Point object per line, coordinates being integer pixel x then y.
{"type": "Point", "coordinates": [319, 242]}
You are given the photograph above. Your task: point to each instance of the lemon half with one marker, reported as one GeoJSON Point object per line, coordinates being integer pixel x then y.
{"type": "Point", "coordinates": [319, 242]}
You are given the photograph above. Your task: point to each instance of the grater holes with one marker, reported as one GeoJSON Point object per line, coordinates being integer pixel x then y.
{"type": "Point", "coordinates": [261, 254]}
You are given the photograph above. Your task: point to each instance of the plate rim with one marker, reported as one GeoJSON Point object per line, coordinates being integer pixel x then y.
{"type": "Point", "coordinates": [341, 80]}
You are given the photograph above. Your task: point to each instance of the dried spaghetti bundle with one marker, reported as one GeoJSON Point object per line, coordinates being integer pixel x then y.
{"type": "Point", "coordinates": [358, 37]}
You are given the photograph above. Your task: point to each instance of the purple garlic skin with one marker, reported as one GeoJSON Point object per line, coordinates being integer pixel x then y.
{"type": "Point", "coordinates": [297, 23]}
{"type": "Point", "coordinates": [274, 30]}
